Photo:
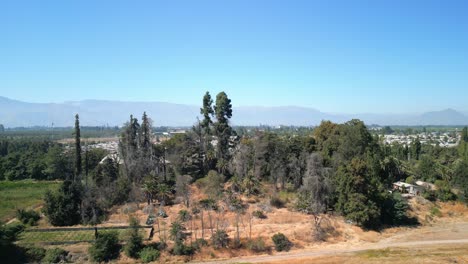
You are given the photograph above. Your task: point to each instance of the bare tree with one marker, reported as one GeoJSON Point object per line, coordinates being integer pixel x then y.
{"type": "Point", "coordinates": [315, 191]}
{"type": "Point", "coordinates": [183, 188]}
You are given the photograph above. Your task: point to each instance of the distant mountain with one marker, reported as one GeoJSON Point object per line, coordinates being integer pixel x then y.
{"type": "Point", "coordinates": [15, 113]}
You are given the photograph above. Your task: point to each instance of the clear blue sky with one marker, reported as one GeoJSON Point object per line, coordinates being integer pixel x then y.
{"type": "Point", "coordinates": [336, 56]}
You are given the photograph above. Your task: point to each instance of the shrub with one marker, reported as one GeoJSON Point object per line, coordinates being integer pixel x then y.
{"type": "Point", "coordinates": [160, 246]}
{"type": "Point", "coordinates": [180, 249]}
{"type": "Point", "coordinates": [135, 241]}
{"type": "Point", "coordinates": [436, 212]}
{"type": "Point", "coordinates": [259, 214]}
{"type": "Point", "coordinates": [411, 180]}
{"type": "Point", "coordinates": [199, 243]}
{"type": "Point", "coordinates": [106, 247]}
{"type": "Point", "coordinates": [429, 195]}
{"type": "Point", "coordinates": [257, 245]}
{"type": "Point", "coordinates": [55, 255]}
{"type": "Point", "coordinates": [149, 254]}
{"type": "Point", "coordinates": [220, 239]}
{"type": "Point", "coordinates": [276, 202]}
{"type": "Point", "coordinates": [28, 217]}
{"type": "Point", "coordinates": [184, 216]}
{"type": "Point", "coordinates": [282, 243]}
{"type": "Point", "coordinates": [34, 254]}
{"type": "Point", "coordinates": [443, 191]}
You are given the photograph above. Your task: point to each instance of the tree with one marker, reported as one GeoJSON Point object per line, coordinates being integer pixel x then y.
{"type": "Point", "coordinates": [135, 240]}
{"type": "Point", "coordinates": [106, 247]}
{"type": "Point", "coordinates": [416, 148]}
{"type": "Point", "coordinates": [62, 207]}
{"type": "Point", "coordinates": [356, 193]}
{"type": "Point", "coordinates": [464, 135]}
{"type": "Point", "coordinates": [145, 135]}
{"type": "Point", "coordinates": [207, 112]}
{"type": "Point", "coordinates": [183, 188]}
{"type": "Point", "coordinates": [78, 166]}
{"type": "Point", "coordinates": [315, 192]}
{"type": "Point", "coordinates": [281, 242]}
{"type": "Point", "coordinates": [223, 132]}
{"type": "Point", "coordinates": [2, 128]}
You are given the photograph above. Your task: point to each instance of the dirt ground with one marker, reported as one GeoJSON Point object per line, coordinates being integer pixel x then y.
{"type": "Point", "coordinates": [345, 242]}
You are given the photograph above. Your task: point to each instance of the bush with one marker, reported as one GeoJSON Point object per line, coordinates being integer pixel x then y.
{"type": "Point", "coordinates": [34, 254]}
{"type": "Point", "coordinates": [149, 254]}
{"type": "Point", "coordinates": [184, 216]}
{"type": "Point", "coordinates": [276, 202]}
{"type": "Point", "coordinates": [220, 239]}
{"type": "Point", "coordinates": [160, 246]}
{"type": "Point", "coordinates": [443, 191]}
{"type": "Point", "coordinates": [135, 241]}
{"type": "Point", "coordinates": [429, 195]}
{"type": "Point", "coordinates": [106, 247]}
{"type": "Point", "coordinates": [411, 180]}
{"type": "Point", "coordinates": [199, 243]}
{"type": "Point", "coordinates": [180, 249]}
{"type": "Point", "coordinates": [55, 255]}
{"type": "Point", "coordinates": [282, 243]}
{"type": "Point", "coordinates": [28, 217]}
{"type": "Point", "coordinates": [62, 207]}
{"type": "Point", "coordinates": [436, 212]}
{"type": "Point", "coordinates": [259, 214]}
{"type": "Point", "coordinates": [257, 245]}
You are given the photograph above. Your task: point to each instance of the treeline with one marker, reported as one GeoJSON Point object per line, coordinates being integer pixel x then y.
{"type": "Point", "coordinates": [38, 159]}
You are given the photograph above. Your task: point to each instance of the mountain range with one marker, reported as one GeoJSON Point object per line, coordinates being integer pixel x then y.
{"type": "Point", "coordinates": [14, 113]}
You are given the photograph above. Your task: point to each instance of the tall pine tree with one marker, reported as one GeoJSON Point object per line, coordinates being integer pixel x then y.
{"type": "Point", "coordinates": [78, 168]}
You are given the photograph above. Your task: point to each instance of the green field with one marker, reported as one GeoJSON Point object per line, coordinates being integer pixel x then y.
{"type": "Point", "coordinates": [69, 235]}
{"type": "Point", "coordinates": [22, 194]}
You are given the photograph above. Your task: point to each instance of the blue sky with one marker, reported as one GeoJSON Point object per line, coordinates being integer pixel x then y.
{"type": "Point", "coordinates": [336, 56]}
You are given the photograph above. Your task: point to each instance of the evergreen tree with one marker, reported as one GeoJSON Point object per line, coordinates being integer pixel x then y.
{"type": "Point", "coordinates": [78, 168]}
{"type": "Point", "coordinates": [223, 112]}
{"type": "Point", "coordinates": [464, 135]}
{"type": "Point", "coordinates": [207, 111]}
{"type": "Point", "coordinates": [145, 135]}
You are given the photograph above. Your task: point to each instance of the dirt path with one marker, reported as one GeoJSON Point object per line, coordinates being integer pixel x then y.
{"type": "Point", "coordinates": [318, 253]}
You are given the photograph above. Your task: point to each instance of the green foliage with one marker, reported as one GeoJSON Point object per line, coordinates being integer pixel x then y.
{"type": "Point", "coordinates": [35, 254]}
{"type": "Point", "coordinates": [106, 247]}
{"type": "Point", "coordinates": [149, 254]}
{"type": "Point", "coordinates": [177, 232]}
{"type": "Point", "coordinates": [427, 169]}
{"type": "Point", "coordinates": [435, 211]}
{"type": "Point", "coordinates": [28, 217]}
{"type": "Point", "coordinates": [394, 211]}
{"type": "Point", "coordinates": [357, 190]}
{"type": "Point", "coordinates": [281, 242]}
{"type": "Point", "coordinates": [62, 207]}
{"type": "Point", "coordinates": [212, 184]}
{"type": "Point", "coordinates": [220, 239]}
{"type": "Point", "coordinates": [184, 216]}
{"type": "Point", "coordinates": [55, 255]}
{"type": "Point", "coordinates": [180, 249]}
{"type": "Point", "coordinates": [444, 193]}
{"type": "Point", "coordinates": [78, 165]}
{"type": "Point", "coordinates": [135, 241]}
{"type": "Point", "coordinates": [429, 195]}
{"type": "Point", "coordinates": [411, 180]}
{"type": "Point", "coordinates": [199, 243]}
{"type": "Point", "coordinates": [257, 245]}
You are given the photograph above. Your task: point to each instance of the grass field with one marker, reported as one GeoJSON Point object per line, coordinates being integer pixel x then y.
{"type": "Point", "coordinates": [21, 194]}
{"type": "Point", "coordinates": [67, 236]}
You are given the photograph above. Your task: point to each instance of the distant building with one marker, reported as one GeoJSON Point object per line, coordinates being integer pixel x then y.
{"type": "Point", "coordinates": [404, 187]}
